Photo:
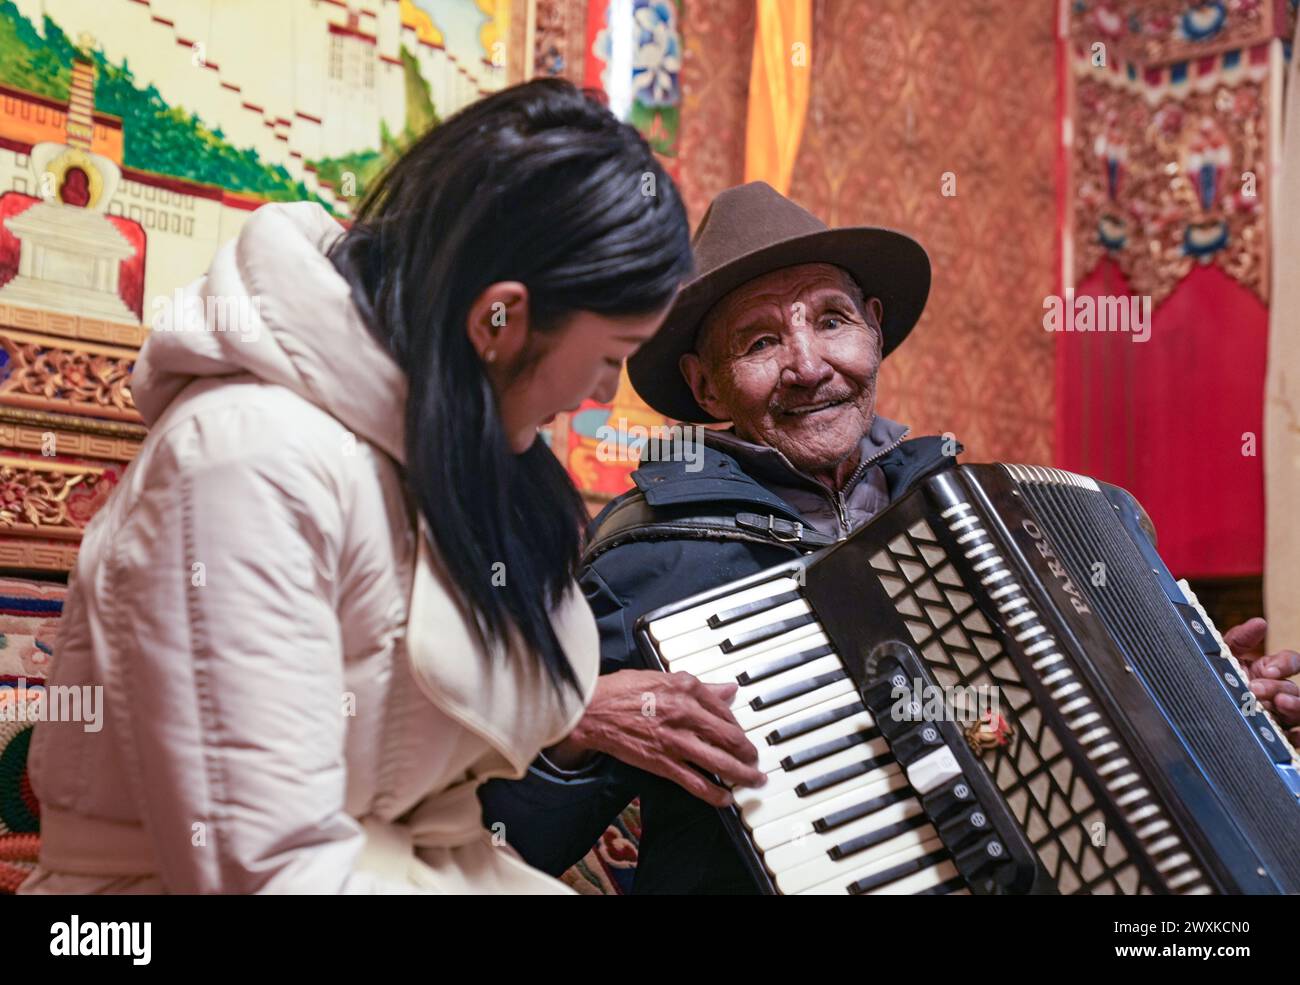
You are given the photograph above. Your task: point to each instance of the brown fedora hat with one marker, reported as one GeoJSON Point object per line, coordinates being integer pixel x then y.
{"type": "Point", "coordinates": [750, 231]}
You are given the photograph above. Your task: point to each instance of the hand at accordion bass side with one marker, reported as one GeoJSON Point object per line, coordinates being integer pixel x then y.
{"type": "Point", "coordinates": [1269, 674]}
{"type": "Point", "coordinates": [668, 724]}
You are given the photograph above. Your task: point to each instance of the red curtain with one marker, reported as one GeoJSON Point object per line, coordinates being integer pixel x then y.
{"type": "Point", "coordinates": [1175, 420]}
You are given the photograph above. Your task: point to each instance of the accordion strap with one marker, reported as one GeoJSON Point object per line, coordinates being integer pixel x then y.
{"type": "Point", "coordinates": [635, 520]}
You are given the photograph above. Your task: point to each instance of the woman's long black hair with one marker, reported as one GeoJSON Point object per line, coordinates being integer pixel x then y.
{"type": "Point", "coordinates": [540, 184]}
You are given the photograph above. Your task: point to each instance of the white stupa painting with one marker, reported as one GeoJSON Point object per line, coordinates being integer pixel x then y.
{"type": "Point", "coordinates": [71, 254]}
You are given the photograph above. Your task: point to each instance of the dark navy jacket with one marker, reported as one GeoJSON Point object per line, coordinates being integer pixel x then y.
{"type": "Point", "coordinates": [553, 819]}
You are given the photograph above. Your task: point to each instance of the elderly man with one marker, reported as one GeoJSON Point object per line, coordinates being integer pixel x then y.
{"type": "Point", "coordinates": [782, 333]}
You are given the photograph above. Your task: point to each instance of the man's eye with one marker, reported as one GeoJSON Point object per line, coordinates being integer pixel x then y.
{"type": "Point", "coordinates": [758, 345]}
{"type": "Point", "coordinates": [834, 321]}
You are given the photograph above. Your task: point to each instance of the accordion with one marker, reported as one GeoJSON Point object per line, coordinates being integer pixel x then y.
{"type": "Point", "coordinates": [995, 686]}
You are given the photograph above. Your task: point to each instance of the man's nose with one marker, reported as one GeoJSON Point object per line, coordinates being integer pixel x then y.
{"type": "Point", "coordinates": [805, 365]}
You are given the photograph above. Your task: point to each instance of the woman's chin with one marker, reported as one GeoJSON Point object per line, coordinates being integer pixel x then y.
{"type": "Point", "coordinates": [521, 441]}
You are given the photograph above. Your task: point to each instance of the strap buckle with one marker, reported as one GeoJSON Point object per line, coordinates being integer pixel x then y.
{"type": "Point", "coordinates": [776, 534]}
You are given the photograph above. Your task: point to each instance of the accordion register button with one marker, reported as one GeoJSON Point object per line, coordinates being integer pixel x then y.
{"type": "Point", "coordinates": [970, 823]}
{"type": "Point", "coordinates": [916, 744]}
{"type": "Point", "coordinates": [981, 859]}
{"type": "Point", "coordinates": [897, 722]}
{"type": "Point", "coordinates": [1199, 631]}
{"type": "Point", "coordinates": [885, 692]}
{"type": "Point", "coordinates": [933, 771]}
{"type": "Point", "coordinates": [953, 796]}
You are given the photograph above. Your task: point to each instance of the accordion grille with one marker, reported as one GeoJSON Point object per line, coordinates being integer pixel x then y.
{"type": "Point", "coordinates": [1080, 525]}
{"type": "Point", "coordinates": [1046, 795]}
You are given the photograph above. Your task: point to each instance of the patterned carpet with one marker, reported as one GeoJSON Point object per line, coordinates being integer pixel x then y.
{"type": "Point", "coordinates": [608, 868]}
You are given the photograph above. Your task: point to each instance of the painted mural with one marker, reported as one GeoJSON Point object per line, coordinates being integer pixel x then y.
{"type": "Point", "coordinates": [136, 136]}
{"type": "Point", "coordinates": [145, 131]}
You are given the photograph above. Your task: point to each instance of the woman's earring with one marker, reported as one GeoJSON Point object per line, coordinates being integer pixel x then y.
{"type": "Point", "coordinates": [490, 356]}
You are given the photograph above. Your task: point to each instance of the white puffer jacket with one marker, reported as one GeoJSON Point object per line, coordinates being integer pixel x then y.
{"type": "Point", "coordinates": [294, 699]}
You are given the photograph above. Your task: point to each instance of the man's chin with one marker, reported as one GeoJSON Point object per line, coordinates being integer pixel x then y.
{"type": "Point", "coordinates": [821, 440]}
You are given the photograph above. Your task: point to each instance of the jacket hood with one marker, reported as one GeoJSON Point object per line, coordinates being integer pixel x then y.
{"type": "Point", "coordinates": [272, 305]}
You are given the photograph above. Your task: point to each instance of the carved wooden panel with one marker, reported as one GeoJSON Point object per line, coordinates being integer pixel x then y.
{"type": "Point", "coordinates": [68, 429]}
{"type": "Point", "coordinates": [46, 373]}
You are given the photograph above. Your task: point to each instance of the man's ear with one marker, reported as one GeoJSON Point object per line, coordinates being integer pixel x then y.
{"type": "Point", "coordinates": [497, 323]}
{"type": "Point", "coordinates": [700, 381]}
{"type": "Point", "coordinates": [877, 310]}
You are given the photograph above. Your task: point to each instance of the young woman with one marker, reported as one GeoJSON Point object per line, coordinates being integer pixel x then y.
{"type": "Point", "coordinates": [334, 594]}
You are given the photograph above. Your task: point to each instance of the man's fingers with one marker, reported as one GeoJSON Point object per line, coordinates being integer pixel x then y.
{"type": "Point", "coordinates": [719, 727]}
{"type": "Point", "coordinates": [724, 693]}
{"type": "Point", "coordinates": [726, 766]}
{"type": "Point", "coordinates": [718, 698]}
{"type": "Point", "coordinates": [697, 785]}
{"type": "Point", "coordinates": [729, 737]}
{"type": "Point", "coordinates": [1269, 691]}
{"type": "Point", "coordinates": [665, 763]}
{"type": "Point", "coordinates": [1285, 663]}
{"type": "Point", "coordinates": [1246, 639]}
{"type": "Point", "coordinates": [1286, 707]}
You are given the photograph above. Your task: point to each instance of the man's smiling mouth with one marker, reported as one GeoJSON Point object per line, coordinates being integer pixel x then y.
{"type": "Point", "coordinates": [816, 408]}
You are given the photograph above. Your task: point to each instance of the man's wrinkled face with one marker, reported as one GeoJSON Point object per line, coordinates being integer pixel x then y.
{"type": "Point", "coordinates": [791, 360]}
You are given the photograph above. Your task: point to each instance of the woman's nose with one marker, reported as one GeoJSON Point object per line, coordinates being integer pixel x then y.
{"type": "Point", "coordinates": [608, 388]}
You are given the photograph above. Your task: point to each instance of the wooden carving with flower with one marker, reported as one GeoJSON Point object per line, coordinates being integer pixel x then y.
{"type": "Point", "coordinates": [35, 497]}
{"type": "Point", "coordinates": [43, 373]}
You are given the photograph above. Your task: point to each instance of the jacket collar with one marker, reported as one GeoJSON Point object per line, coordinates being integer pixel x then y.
{"type": "Point", "coordinates": [708, 475]}
{"type": "Point", "coordinates": [769, 465]}
{"type": "Point", "coordinates": [721, 470]}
